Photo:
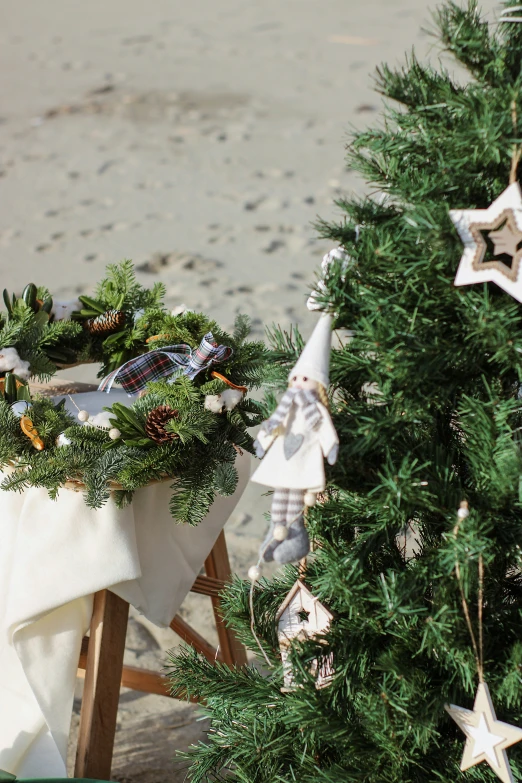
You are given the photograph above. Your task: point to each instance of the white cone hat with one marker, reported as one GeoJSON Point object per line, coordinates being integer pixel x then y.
{"type": "Point", "coordinates": [314, 361]}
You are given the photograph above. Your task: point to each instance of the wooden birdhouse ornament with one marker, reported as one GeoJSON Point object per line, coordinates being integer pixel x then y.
{"type": "Point", "coordinates": [302, 616]}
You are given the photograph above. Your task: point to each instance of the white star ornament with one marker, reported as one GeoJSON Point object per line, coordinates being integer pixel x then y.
{"type": "Point", "coordinates": [501, 224]}
{"type": "Point", "coordinates": [486, 737]}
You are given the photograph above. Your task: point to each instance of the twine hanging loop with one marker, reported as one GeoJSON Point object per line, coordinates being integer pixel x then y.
{"type": "Point", "coordinates": [478, 648]}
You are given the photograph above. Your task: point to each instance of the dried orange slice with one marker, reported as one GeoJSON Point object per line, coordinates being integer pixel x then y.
{"type": "Point", "coordinates": [30, 430]}
{"type": "Point", "coordinates": [156, 337]}
{"type": "Point", "coordinates": [220, 377]}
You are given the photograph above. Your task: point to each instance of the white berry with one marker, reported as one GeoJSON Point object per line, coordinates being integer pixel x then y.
{"type": "Point", "coordinates": [63, 440]}
{"type": "Point", "coordinates": [280, 532]}
{"type": "Point", "coordinates": [83, 415]}
{"type": "Point", "coordinates": [463, 512]}
{"type": "Point", "coordinates": [310, 499]}
{"type": "Point", "coordinates": [114, 433]}
{"type": "Point", "coordinates": [254, 573]}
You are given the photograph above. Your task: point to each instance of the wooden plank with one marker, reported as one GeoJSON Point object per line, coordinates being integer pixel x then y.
{"type": "Point", "coordinates": [217, 566]}
{"type": "Point", "coordinates": [192, 637]}
{"type": "Point", "coordinates": [137, 679]}
{"type": "Point", "coordinates": [58, 386]}
{"type": "Point", "coordinates": [104, 662]}
{"type": "Point", "coordinates": [147, 680]}
{"type": "Point", "coordinates": [150, 681]}
{"type": "Point", "coordinates": [205, 585]}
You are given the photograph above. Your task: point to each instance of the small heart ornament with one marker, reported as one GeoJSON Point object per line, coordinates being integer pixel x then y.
{"type": "Point", "coordinates": [292, 444]}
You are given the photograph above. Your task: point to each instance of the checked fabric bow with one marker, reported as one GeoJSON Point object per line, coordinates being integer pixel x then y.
{"type": "Point", "coordinates": [134, 375]}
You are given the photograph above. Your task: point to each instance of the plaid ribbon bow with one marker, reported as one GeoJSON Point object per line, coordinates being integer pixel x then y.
{"type": "Point", "coordinates": [134, 375]}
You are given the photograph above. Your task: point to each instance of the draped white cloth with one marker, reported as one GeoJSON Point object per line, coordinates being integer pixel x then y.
{"type": "Point", "coordinates": [54, 555]}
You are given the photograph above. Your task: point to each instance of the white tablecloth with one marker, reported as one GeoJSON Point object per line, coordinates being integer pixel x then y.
{"type": "Point", "coordinates": [53, 557]}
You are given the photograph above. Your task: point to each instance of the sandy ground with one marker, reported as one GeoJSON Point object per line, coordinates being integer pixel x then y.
{"type": "Point", "coordinates": [201, 140]}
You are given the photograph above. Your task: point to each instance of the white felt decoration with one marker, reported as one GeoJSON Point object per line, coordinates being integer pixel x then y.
{"type": "Point", "coordinates": [231, 398]}
{"type": "Point", "coordinates": [302, 616]}
{"type": "Point", "coordinates": [63, 309]}
{"type": "Point", "coordinates": [213, 403]}
{"type": "Point", "coordinates": [63, 440]}
{"type": "Point", "coordinates": [502, 222]}
{"type": "Point", "coordinates": [101, 419]}
{"type": "Point", "coordinates": [226, 401]}
{"type": "Point", "coordinates": [10, 361]}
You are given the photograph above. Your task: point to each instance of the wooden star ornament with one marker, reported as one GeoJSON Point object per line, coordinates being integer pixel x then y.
{"type": "Point", "coordinates": [486, 737]}
{"type": "Point", "coordinates": [492, 241]}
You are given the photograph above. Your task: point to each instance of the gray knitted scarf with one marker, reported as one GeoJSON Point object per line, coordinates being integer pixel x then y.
{"type": "Point", "coordinates": [305, 399]}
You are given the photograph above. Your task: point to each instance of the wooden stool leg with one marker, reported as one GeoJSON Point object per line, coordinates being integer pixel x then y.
{"type": "Point", "coordinates": [102, 686]}
{"type": "Point", "coordinates": [217, 565]}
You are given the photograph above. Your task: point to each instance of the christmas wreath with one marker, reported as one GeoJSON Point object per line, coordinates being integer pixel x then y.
{"type": "Point", "coordinates": [186, 420]}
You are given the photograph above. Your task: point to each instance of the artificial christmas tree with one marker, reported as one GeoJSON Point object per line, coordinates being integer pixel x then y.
{"type": "Point", "coordinates": [426, 402]}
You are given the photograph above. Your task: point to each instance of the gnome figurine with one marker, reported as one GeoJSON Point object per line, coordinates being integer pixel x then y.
{"type": "Point", "coordinates": [293, 443]}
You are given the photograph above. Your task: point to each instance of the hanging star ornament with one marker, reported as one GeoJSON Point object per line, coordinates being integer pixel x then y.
{"type": "Point", "coordinates": [492, 241]}
{"type": "Point", "coordinates": [487, 737]}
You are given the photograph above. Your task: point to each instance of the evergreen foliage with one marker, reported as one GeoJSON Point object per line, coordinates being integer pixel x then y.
{"type": "Point", "coordinates": [426, 402]}
{"type": "Point", "coordinates": [35, 338]}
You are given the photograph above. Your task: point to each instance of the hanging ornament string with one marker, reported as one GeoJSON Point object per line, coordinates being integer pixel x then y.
{"type": "Point", "coordinates": [84, 417]}
{"type": "Point", "coordinates": [254, 572]}
{"type": "Point", "coordinates": [478, 649]}
{"type": "Point", "coordinates": [517, 148]}
{"type": "Point", "coordinates": [486, 737]}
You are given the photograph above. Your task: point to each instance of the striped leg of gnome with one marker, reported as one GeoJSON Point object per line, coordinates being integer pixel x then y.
{"type": "Point", "coordinates": [287, 510]}
{"type": "Point", "coordinates": [280, 500]}
{"type": "Point", "coordinates": [297, 543]}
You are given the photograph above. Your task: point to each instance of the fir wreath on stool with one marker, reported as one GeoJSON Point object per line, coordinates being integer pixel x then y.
{"type": "Point", "coordinates": [425, 400]}
{"type": "Point", "coordinates": [169, 426]}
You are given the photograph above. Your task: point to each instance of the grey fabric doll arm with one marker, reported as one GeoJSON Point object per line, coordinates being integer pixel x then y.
{"type": "Point", "coordinates": [328, 436]}
{"type": "Point", "coordinates": [333, 454]}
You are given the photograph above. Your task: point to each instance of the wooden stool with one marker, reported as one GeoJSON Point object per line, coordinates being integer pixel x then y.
{"type": "Point", "coordinates": [102, 660]}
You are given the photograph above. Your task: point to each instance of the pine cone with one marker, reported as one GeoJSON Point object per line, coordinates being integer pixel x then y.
{"type": "Point", "coordinates": [106, 323]}
{"type": "Point", "coordinates": [156, 421]}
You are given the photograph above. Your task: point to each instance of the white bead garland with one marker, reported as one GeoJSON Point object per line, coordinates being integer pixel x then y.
{"type": "Point", "coordinates": [254, 573]}
{"type": "Point", "coordinates": [310, 499]}
{"type": "Point", "coordinates": [83, 415]}
{"type": "Point", "coordinates": [463, 512]}
{"type": "Point", "coordinates": [114, 433]}
{"type": "Point", "coordinates": [280, 532]}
